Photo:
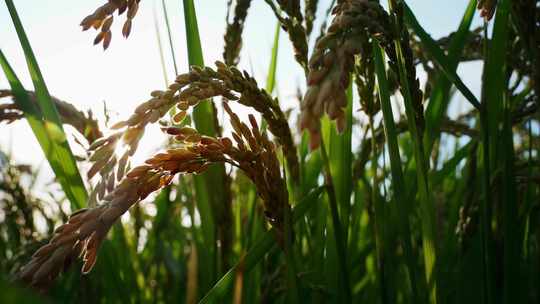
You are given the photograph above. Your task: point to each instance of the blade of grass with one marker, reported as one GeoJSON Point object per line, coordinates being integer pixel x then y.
{"type": "Point", "coordinates": [256, 253]}
{"type": "Point", "coordinates": [340, 157]}
{"type": "Point", "coordinates": [272, 67]}
{"type": "Point", "coordinates": [398, 181]}
{"type": "Point", "coordinates": [498, 109]}
{"type": "Point", "coordinates": [339, 169]}
{"type": "Point", "coordinates": [440, 96]}
{"type": "Point", "coordinates": [271, 76]}
{"type": "Point", "coordinates": [427, 211]}
{"type": "Point", "coordinates": [160, 45]}
{"type": "Point", "coordinates": [485, 167]}
{"type": "Point", "coordinates": [210, 187]}
{"type": "Point", "coordinates": [66, 166]}
{"type": "Point", "coordinates": [495, 77]}
{"type": "Point", "coordinates": [438, 56]}
{"type": "Point", "coordinates": [439, 176]}
{"type": "Point", "coordinates": [379, 225]}
{"type": "Point", "coordinates": [169, 35]}
{"type": "Point", "coordinates": [511, 223]}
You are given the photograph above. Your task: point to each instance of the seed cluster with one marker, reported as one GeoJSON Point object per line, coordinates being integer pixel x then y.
{"type": "Point", "coordinates": [187, 91]}
{"type": "Point", "coordinates": [84, 123]}
{"type": "Point", "coordinates": [9, 112]}
{"type": "Point", "coordinates": [292, 24]}
{"type": "Point", "coordinates": [412, 81]}
{"type": "Point", "coordinates": [332, 61]}
{"type": "Point", "coordinates": [310, 12]}
{"type": "Point", "coordinates": [85, 230]}
{"type": "Point", "coordinates": [102, 19]}
{"type": "Point", "coordinates": [233, 33]}
{"type": "Point", "coordinates": [487, 8]}
{"type": "Point", "coordinates": [250, 150]}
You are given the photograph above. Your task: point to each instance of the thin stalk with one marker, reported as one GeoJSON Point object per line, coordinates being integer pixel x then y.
{"type": "Point", "coordinates": [271, 74]}
{"type": "Point", "coordinates": [440, 96]}
{"type": "Point", "coordinates": [398, 180]}
{"type": "Point", "coordinates": [502, 150]}
{"type": "Point", "coordinates": [160, 46]}
{"type": "Point", "coordinates": [293, 295]}
{"type": "Point", "coordinates": [427, 211]}
{"type": "Point", "coordinates": [338, 231]}
{"type": "Point", "coordinates": [379, 226]}
{"type": "Point", "coordinates": [442, 60]}
{"type": "Point", "coordinates": [486, 202]}
{"type": "Point", "coordinates": [169, 34]}
{"type": "Point", "coordinates": [272, 67]}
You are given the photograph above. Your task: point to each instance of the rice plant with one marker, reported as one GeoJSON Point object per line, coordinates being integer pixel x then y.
{"type": "Point", "coordinates": [375, 189]}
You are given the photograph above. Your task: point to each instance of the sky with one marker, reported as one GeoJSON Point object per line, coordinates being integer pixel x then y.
{"type": "Point", "coordinates": [124, 75]}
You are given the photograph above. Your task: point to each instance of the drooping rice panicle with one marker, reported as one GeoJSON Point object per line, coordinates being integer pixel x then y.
{"type": "Point", "coordinates": [233, 33]}
{"type": "Point", "coordinates": [310, 12]}
{"type": "Point", "coordinates": [248, 150]}
{"type": "Point", "coordinates": [102, 19]}
{"type": "Point", "coordinates": [487, 8]}
{"type": "Point", "coordinates": [332, 61]}
{"type": "Point", "coordinates": [186, 92]}
{"type": "Point", "coordinates": [292, 24]}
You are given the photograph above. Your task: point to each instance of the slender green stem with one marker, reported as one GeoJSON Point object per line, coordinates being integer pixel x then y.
{"type": "Point", "coordinates": [379, 225]}
{"type": "Point", "coordinates": [338, 231]}
{"type": "Point", "coordinates": [61, 157]}
{"type": "Point", "coordinates": [427, 211]}
{"type": "Point", "coordinates": [169, 34]}
{"type": "Point", "coordinates": [398, 181]}
{"type": "Point", "coordinates": [486, 202]}
{"type": "Point", "coordinates": [160, 46]}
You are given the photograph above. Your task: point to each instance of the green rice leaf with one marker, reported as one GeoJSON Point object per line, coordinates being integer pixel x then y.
{"type": "Point", "coordinates": [44, 120]}
{"type": "Point", "coordinates": [438, 56]}
{"type": "Point", "coordinates": [256, 253]}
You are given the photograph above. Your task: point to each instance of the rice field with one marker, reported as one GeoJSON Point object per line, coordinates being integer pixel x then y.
{"type": "Point", "coordinates": [373, 188]}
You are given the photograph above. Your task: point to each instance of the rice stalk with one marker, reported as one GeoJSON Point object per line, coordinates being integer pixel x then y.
{"type": "Point", "coordinates": [398, 181]}
{"type": "Point", "coordinates": [169, 35]}
{"type": "Point", "coordinates": [413, 107]}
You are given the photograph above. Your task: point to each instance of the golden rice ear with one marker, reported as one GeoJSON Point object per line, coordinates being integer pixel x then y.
{"type": "Point", "coordinates": [132, 10]}
{"type": "Point", "coordinates": [107, 24]}
{"type": "Point", "coordinates": [487, 8]}
{"type": "Point", "coordinates": [107, 40]}
{"type": "Point", "coordinates": [102, 19]}
{"type": "Point", "coordinates": [90, 251]}
{"type": "Point", "coordinates": [332, 61]}
{"type": "Point", "coordinates": [179, 117]}
{"type": "Point", "coordinates": [99, 37]}
{"type": "Point", "coordinates": [126, 29]}
{"type": "Point", "coordinates": [90, 259]}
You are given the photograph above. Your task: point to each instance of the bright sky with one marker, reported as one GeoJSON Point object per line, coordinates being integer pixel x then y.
{"type": "Point", "coordinates": [125, 74]}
